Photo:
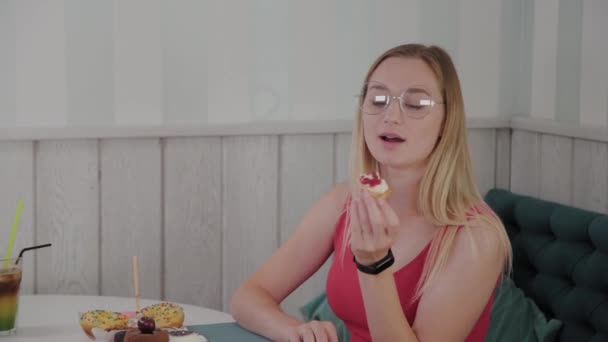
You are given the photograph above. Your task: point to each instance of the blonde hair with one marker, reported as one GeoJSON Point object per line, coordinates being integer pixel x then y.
{"type": "Point", "coordinates": [448, 195]}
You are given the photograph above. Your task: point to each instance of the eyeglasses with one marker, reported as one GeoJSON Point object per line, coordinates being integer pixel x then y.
{"type": "Point", "coordinates": [416, 103]}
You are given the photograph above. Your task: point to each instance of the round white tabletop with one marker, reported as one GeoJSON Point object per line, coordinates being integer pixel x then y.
{"type": "Point", "coordinates": [54, 318]}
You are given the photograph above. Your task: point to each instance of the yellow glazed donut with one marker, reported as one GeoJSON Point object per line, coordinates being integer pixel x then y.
{"type": "Point", "coordinates": [106, 320]}
{"type": "Point", "coordinates": [166, 315]}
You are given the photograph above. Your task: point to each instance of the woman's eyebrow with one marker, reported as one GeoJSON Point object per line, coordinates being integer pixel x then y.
{"type": "Point", "coordinates": [419, 90]}
{"type": "Point", "coordinates": [414, 89]}
{"type": "Point", "coordinates": [377, 86]}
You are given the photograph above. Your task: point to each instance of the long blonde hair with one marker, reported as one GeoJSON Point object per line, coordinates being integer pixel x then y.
{"type": "Point", "coordinates": [448, 193]}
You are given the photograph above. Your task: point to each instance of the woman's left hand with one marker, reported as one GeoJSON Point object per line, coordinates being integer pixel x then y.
{"type": "Point", "coordinates": [373, 228]}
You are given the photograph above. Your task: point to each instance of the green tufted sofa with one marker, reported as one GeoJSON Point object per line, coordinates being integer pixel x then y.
{"type": "Point", "coordinates": [560, 260]}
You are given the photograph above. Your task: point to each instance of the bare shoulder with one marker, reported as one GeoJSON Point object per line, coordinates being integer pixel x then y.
{"type": "Point", "coordinates": [480, 248]}
{"type": "Point", "coordinates": [465, 283]}
{"type": "Point", "coordinates": [483, 239]}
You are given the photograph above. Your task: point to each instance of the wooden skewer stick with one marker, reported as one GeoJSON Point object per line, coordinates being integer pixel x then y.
{"type": "Point", "coordinates": [136, 281]}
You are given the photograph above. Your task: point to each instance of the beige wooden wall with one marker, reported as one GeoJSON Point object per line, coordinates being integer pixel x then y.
{"type": "Point", "coordinates": [562, 163]}
{"type": "Point", "coordinates": [203, 207]}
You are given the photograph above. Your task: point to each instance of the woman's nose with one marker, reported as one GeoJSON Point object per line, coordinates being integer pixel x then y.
{"type": "Point", "coordinates": [392, 113]}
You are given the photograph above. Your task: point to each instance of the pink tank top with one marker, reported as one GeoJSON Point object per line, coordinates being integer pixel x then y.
{"type": "Point", "coordinates": [345, 299]}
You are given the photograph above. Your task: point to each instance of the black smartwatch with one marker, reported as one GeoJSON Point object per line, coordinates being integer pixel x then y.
{"type": "Point", "coordinates": [377, 266]}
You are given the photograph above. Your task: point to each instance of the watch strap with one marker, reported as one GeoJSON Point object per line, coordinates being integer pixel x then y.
{"type": "Point", "coordinates": [377, 266]}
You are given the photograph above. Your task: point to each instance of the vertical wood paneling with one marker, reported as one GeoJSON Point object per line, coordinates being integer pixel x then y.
{"type": "Point", "coordinates": [269, 62]}
{"type": "Point", "coordinates": [41, 63]}
{"type": "Point", "coordinates": [184, 58]}
{"type": "Point", "coordinates": [306, 173]}
{"type": "Point", "coordinates": [342, 157]}
{"type": "Point", "coordinates": [225, 203]}
{"type": "Point", "coordinates": [355, 36]}
{"type": "Point", "coordinates": [594, 74]}
{"type": "Point", "coordinates": [568, 61]}
{"type": "Point", "coordinates": [479, 76]}
{"type": "Point", "coordinates": [8, 63]}
{"type": "Point", "coordinates": [525, 163]}
{"type": "Point", "coordinates": [544, 58]}
{"type": "Point", "coordinates": [131, 216]}
{"type": "Point", "coordinates": [556, 168]}
{"type": "Point", "coordinates": [503, 159]}
{"type": "Point", "coordinates": [590, 175]}
{"type": "Point", "coordinates": [138, 78]}
{"type": "Point", "coordinates": [192, 229]}
{"type": "Point", "coordinates": [67, 212]}
{"type": "Point", "coordinates": [17, 183]}
{"type": "Point", "coordinates": [395, 22]}
{"type": "Point", "coordinates": [89, 62]}
{"type": "Point", "coordinates": [227, 73]}
{"type": "Point", "coordinates": [305, 37]}
{"type": "Point", "coordinates": [445, 35]}
{"type": "Point", "coordinates": [515, 58]}
{"type": "Point", "coordinates": [482, 143]}
{"type": "Point", "coordinates": [250, 207]}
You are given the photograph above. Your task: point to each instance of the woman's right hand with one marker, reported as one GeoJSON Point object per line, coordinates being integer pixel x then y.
{"type": "Point", "coordinates": [313, 331]}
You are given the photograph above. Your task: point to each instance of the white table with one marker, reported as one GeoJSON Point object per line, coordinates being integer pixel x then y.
{"type": "Point", "coordinates": [54, 318]}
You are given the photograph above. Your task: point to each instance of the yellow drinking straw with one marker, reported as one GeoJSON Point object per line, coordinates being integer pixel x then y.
{"type": "Point", "coordinates": [11, 240]}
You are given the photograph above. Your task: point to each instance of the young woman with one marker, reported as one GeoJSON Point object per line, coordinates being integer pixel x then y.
{"type": "Point", "coordinates": [421, 265]}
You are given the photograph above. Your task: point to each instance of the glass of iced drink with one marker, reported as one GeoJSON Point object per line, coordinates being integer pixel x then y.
{"type": "Point", "coordinates": [10, 280]}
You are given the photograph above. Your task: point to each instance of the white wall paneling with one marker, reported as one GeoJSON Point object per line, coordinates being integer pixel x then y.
{"type": "Point", "coordinates": [249, 207]}
{"type": "Point", "coordinates": [525, 163]}
{"type": "Point", "coordinates": [503, 158]}
{"type": "Point", "coordinates": [544, 58]}
{"type": "Point", "coordinates": [131, 216]}
{"type": "Point", "coordinates": [482, 144]}
{"type": "Point", "coordinates": [594, 74]}
{"type": "Point", "coordinates": [192, 169]}
{"type": "Point", "coordinates": [556, 168]}
{"type": "Point", "coordinates": [67, 215]}
{"type": "Point", "coordinates": [590, 175]}
{"type": "Point", "coordinates": [17, 183]}
{"type": "Point", "coordinates": [306, 174]}
{"type": "Point", "coordinates": [203, 209]}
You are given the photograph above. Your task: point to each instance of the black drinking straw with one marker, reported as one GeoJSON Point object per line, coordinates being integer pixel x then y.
{"type": "Point", "coordinates": [29, 249]}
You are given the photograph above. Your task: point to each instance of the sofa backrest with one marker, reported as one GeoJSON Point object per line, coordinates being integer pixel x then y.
{"type": "Point", "coordinates": [560, 260]}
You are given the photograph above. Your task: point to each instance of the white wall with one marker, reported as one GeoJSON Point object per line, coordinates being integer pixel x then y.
{"type": "Point", "coordinates": [570, 50]}
{"type": "Point", "coordinates": [122, 62]}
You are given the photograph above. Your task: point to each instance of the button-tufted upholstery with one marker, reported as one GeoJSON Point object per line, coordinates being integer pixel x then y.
{"type": "Point", "coordinates": [560, 260]}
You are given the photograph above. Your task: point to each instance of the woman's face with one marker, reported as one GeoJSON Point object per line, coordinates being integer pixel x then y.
{"type": "Point", "coordinates": [403, 138]}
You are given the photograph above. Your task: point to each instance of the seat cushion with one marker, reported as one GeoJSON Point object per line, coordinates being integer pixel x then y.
{"type": "Point", "coordinates": [560, 260]}
{"type": "Point", "coordinates": [517, 318]}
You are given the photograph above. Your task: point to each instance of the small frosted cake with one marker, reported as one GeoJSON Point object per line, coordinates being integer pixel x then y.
{"type": "Point", "coordinates": [147, 332]}
{"type": "Point", "coordinates": [375, 185]}
{"type": "Point", "coordinates": [138, 336]}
